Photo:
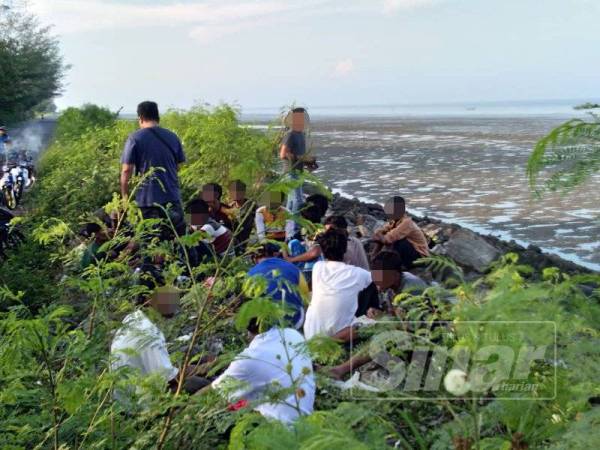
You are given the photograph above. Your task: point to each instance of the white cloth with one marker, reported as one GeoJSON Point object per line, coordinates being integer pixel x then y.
{"type": "Point", "coordinates": [212, 232]}
{"type": "Point", "coordinates": [261, 367]}
{"type": "Point", "coordinates": [334, 297]}
{"type": "Point", "coordinates": [139, 344]}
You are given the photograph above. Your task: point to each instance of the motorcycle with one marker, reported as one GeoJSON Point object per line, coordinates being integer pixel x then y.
{"type": "Point", "coordinates": [20, 175]}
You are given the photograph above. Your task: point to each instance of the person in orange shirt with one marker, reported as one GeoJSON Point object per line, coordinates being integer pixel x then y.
{"type": "Point", "coordinates": [401, 234]}
{"type": "Point", "coordinates": [272, 220]}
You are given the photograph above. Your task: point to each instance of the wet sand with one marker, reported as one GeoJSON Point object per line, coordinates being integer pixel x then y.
{"type": "Point", "coordinates": [465, 170]}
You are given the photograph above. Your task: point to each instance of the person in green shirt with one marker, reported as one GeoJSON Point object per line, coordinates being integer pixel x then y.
{"type": "Point", "coordinates": [99, 234]}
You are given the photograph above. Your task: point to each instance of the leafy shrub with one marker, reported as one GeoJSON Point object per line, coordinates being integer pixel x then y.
{"type": "Point", "coordinates": [74, 122]}
{"type": "Point", "coordinates": [55, 328]}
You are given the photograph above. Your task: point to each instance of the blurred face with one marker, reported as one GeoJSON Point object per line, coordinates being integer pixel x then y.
{"type": "Point", "coordinates": [386, 279]}
{"type": "Point", "coordinates": [103, 236]}
{"type": "Point", "coordinates": [211, 196]}
{"type": "Point", "coordinates": [298, 121]}
{"type": "Point", "coordinates": [394, 210]}
{"type": "Point", "coordinates": [275, 200]}
{"type": "Point", "coordinates": [237, 194]}
{"type": "Point", "coordinates": [166, 301]}
{"type": "Point", "coordinates": [198, 219]}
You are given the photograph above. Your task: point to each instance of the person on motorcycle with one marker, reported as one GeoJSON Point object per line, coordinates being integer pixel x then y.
{"type": "Point", "coordinates": [19, 174]}
{"type": "Point", "coordinates": [7, 183]}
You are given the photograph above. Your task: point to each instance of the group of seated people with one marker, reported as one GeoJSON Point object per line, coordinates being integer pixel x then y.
{"type": "Point", "coordinates": [322, 276]}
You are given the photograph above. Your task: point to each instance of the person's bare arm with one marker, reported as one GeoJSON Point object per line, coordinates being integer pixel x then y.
{"type": "Point", "coordinates": [126, 172]}
{"type": "Point", "coordinates": [313, 253]}
{"type": "Point", "coordinates": [345, 334]}
{"type": "Point", "coordinates": [284, 152]}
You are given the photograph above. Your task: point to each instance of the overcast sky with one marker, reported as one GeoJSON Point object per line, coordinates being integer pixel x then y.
{"type": "Point", "coordinates": [323, 52]}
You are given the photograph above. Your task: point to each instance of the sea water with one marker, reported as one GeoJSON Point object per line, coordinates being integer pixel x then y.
{"type": "Point", "coordinates": [465, 168]}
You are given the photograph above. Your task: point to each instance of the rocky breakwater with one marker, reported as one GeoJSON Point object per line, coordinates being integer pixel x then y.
{"type": "Point", "coordinates": [470, 250]}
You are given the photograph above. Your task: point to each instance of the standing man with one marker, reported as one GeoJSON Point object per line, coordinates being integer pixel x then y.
{"type": "Point", "coordinates": [293, 148]}
{"type": "Point", "coordinates": [4, 139]}
{"type": "Point", "coordinates": [155, 153]}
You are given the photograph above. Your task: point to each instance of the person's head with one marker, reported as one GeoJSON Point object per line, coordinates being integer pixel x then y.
{"type": "Point", "coordinates": [2, 131]}
{"type": "Point", "coordinates": [237, 191]}
{"type": "Point", "coordinates": [274, 200]}
{"type": "Point", "coordinates": [147, 113]}
{"type": "Point", "coordinates": [311, 212]}
{"type": "Point", "coordinates": [321, 204]}
{"type": "Point", "coordinates": [386, 270]}
{"type": "Point", "coordinates": [99, 227]}
{"type": "Point", "coordinates": [336, 222]}
{"type": "Point", "coordinates": [298, 116]}
{"type": "Point", "coordinates": [253, 328]}
{"type": "Point", "coordinates": [395, 208]}
{"type": "Point", "coordinates": [97, 232]}
{"type": "Point", "coordinates": [211, 194]}
{"type": "Point", "coordinates": [265, 251]}
{"type": "Point", "coordinates": [164, 299]}
{"type": "Point", "coordinates": [334, 244]}
{"type": "Point", "coordinates": [199, 212]}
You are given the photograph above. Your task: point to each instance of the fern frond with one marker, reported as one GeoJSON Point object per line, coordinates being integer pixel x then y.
{"type": "Point", "coordinates": [575, 141]}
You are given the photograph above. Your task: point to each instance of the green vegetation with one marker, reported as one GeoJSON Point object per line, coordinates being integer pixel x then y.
{"type": "Point", "coordinates": [31, 66]}
{"type": "Point", "coordinates": [586, 106]}
{"type": "Point", "coordinates": [56, 324]}
{"type": "Point", "coordinates": [566, 157]}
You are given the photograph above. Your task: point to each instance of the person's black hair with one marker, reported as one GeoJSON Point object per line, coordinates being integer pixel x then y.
{"type": "Point", "coordinates": [320, 201]}
{"type": "Point", "coordinates": [148, 111]}
{"type": "Point", "coordinates": [387, 260]}
{"type": "Point", "coordinates": [94, 227]}
{"type": "Point", "coordinates": [91, 228]}
{"type": "Point", "coordinates": [397, 199]}
{"type": "Point", "coordinates": [312, 213]}
{"type": "Point", "coordinates": [299, 109]}
{"type": "Point", "coordinates": [267, 250]}
{"type": "Point", "coordinates": [215, 187]}
{"type": "Point", "coordinates": [253, 326]}
{"type": "Point", "coordinates": [237, 185]}
{"type": "Point", "coordinates": [334, 244]}
{"type": "Point", "coordinates": [197, 206]}
{"type": "Point", "coordinates": [338, 222]}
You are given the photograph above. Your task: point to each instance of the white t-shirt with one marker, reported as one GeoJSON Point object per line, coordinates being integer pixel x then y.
{"type": "Point", "coordinates": [334, 297]}
{"type": "Point", "coordinates": [261, 368]}
{"type": "Point", "coordinates": [139, 344]}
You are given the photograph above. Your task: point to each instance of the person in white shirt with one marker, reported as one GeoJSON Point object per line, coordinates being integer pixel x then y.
{"type": "Point", "coordinates": [335, 290]}
{"type": "Point", "coordinates": [140, 345]}
{"type": "Point", "coordinates": [262, 369]}
{"type": "Point", "coordinates": [218, 236]}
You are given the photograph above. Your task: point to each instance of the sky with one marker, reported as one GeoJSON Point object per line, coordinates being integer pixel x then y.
{"type": "Point", "coordinates": [266, 53]}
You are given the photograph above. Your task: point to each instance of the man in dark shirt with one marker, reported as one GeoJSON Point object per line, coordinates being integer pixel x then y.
{"type": "Point", "coordinates": [242, 212]}
{"type": "Point", "coordinates": [211, 194]}
{"type": "Point", "coordinates": [293, 148]}
{"type": "Point", "coordinates": [155, 153]}
{"type": "Point", "coordinates": [4, 138]}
